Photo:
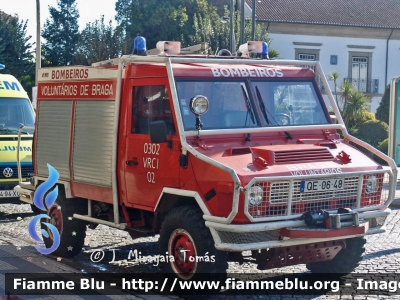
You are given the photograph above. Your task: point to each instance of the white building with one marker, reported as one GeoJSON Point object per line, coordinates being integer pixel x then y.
{"type": "Point", "coordinates": [360, 39]}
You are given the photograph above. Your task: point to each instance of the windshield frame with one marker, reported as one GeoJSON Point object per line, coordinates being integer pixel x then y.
{"type": "Point", "coordinates": [250, 84]}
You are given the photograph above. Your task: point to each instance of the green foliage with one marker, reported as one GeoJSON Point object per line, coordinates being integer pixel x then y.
{"type": "Point", "coordinates": [355, 107]}
{"type": "Point", "coordinates": [188, 21]}
{"type": "Point", "coordinates": [362, 117]}
{"type": "Point", "coordinates": [98, 42]}
{"type": "Point", "coordinates": [384, 146]}
{"type": "Point", "coordinates": [157, 20]}
{"type": "Point", "coordinates": [16, 51]}
{"type": "Point", "coordinates": [61, 32]}
{"type": "Point", "coordinates": [373, 132]}
{"type": "Point", "coordinates": [334, 76]}
{"type": "Point", "coordinates": [382, 113]}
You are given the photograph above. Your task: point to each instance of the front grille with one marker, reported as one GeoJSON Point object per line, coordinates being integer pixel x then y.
{"type": "Point", "coordinates": [279, 192]}
{"type": "Point", "coordinates": [276, 195]}
{"type": "Point", "coordinates": [26, 170]}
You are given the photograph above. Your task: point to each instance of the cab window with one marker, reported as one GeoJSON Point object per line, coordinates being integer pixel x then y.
{"type": "Point", "coordinates": [151, 103]}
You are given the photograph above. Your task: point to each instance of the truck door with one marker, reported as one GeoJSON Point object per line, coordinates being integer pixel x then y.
{"type": "Point", "coordinates": [149, 166]}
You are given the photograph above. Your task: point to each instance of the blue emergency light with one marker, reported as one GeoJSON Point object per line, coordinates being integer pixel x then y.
{"type": "Point", "coordinates": [2, 66]}
{"type": "Point", "coordinates": [264, 53]}
{"type": "Point", "coordinates": [139, 46]}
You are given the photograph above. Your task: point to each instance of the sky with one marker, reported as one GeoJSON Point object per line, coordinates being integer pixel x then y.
{"type": "Point", "coordinates": [89, 11]}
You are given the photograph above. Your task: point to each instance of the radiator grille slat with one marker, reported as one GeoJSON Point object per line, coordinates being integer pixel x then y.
{"type": "Point", "coordinates": [302, 155]}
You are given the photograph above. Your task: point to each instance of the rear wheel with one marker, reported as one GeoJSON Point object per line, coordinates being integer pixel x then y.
{"type": "Point", "coordinates": [345, 261]}
{"type": "Point", "coordinates": [185, 237]}
{"type": "Point", "coordinates": [72, 231]}
{"type": "Point", "coordinates": [36, 210]}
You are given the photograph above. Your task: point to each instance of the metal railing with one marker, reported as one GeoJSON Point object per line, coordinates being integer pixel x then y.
{"type": "Point", "coordinates": [369, 86]}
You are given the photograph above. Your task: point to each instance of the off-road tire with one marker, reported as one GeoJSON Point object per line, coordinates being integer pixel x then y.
{"type": "Point", "coordinates": [72, 231]}
{"type": "Point", "coordinates": [184, 227]}
{"type": "Point", "coordinates": [36, 210]}
{"type": "Point", "coordinates": [345, 261]}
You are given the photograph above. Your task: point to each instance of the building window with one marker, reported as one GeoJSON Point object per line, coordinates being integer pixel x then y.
{"type": "Point", "coordinates": [305, 56]}
{"type": "Point", "coordinates": [360, 72]}
{"type": "Point", "coordinates": [309, 55]}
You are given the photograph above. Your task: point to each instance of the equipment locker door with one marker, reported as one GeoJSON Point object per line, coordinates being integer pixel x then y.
{"type": "Point", "coordinates": [149, 166]}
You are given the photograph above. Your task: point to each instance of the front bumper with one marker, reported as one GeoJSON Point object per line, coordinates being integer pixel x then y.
{"type": "Point", "coordinates": [236, 238]}
{"type": "Point", "coordinates": [6, 188]}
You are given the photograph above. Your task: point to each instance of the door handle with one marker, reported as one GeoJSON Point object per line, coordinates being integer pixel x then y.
{"type": "Point", "coordinates": [132, 162]}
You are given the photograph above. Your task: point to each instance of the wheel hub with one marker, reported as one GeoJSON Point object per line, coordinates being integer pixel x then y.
{"type": "Point", "coordinates": [183, 249]}
{"type": "Point", "coordinates": [56, 218]}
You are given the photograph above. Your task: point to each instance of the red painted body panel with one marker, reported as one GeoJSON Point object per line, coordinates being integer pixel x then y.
{"type": "Point", "coordinates": [140, 182]}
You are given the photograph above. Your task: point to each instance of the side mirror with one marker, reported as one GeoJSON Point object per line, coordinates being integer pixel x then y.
{"type": "Point", "coordinates": [158, 132]}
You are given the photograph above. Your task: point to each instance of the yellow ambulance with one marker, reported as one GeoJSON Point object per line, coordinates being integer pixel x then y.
{"type": "Point", "coordinates": [15, 110]}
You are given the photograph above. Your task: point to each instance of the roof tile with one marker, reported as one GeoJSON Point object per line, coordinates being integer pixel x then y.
{"type": "Point", "coordinates": [364, 13]}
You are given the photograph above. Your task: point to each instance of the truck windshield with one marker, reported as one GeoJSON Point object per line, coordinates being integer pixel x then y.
{"type": "Point", "coordinates": [15, 112]}
{"type": "Point", "coordinates": [230, 105]}
{"type": "Point", "coordinates": [270, 103]}
{"type": "Point", "coordinates": [289, 103]}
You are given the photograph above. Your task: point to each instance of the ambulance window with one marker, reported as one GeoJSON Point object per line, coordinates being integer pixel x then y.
{"type": "Point", "coordinates": [15, 112]}
{"type": "Point", "coordinates": [151, 103]}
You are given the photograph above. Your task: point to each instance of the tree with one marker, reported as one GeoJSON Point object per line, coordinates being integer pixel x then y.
{"type": "Point", "coordinates": [98, 42]}
{"type": "Point", "coordinates": [61, 32]}
{"type": "Point", "coordinates": [355, 107]}
{"type": "Point", "coordinates": [188, 21]}
{"type": "Point", "coordinates": [374, 132]}
{"type": "Point", "coordinates": [334, 75]}
{"type": "Point", "coordinates": [155, 20]}
{"type": "Point", "coordinates": [382, 113]}
{"type": "Point", "coordinates": [15, 50]}
{"type": "Point", "coordinates": [346, 89]}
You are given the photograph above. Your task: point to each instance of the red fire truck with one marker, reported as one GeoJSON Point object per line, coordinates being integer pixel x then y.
{"type": "Point", "coordinates": [221, 156]}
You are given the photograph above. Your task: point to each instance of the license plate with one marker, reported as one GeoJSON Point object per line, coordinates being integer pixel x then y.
{"type": "Point", "coordinates": [8, 194]}
{"type": "Point", "coordinates": [322, 185]}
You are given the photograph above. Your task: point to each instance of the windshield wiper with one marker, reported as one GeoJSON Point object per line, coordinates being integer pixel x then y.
{"type": "Point", "coordinates": [249, 111]}
{"type": "Point", "coordinates": [262, 106]}
{"type": "Point", "coordinates": [264, 112]}
{"type": "Point", "coordinates": [9, 130]}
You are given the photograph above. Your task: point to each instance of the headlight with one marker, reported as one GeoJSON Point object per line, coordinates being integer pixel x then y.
{"type": "Point", "coordinates": [255, 195]}
{"type": "Point", "coordinates": [371, 184]}
{"type": "Point", "coordinates": [199, 105]}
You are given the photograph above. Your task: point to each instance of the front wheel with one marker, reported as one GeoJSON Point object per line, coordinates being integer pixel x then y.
{"type": "Point", "coordinates": [345, 261]}
{"type": "Point", "coordinates": [185, 238]}
{"type": "Point", "coordinates": [72, 231]}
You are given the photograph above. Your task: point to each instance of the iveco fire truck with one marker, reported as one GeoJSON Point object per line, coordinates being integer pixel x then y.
{"type": "Point", "coordinates": [222, 156]}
